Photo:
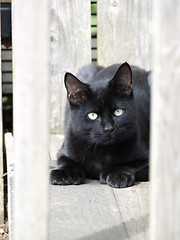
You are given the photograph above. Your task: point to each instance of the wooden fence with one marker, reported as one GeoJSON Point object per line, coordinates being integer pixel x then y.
{"type": "Point", "coordinates": [124, 34]}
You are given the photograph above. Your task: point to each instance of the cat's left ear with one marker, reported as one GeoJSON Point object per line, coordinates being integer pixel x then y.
{"type": "Point", "coordinates": [122, 80]}
{"type": "Point", "coordinates": [76, 90]}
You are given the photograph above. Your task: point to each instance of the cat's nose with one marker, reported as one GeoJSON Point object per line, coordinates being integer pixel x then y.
{"type": "Point", "coordinates": [108, 128]}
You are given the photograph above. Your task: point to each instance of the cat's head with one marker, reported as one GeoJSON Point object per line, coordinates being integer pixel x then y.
{"type": "Point", "coordinates": [102, 112]}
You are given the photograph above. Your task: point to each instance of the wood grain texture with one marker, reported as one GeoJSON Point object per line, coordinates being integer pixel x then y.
{"type": "Point", "coordinates": [31, 84]}
{"type": "Point", "coordinates": [165, 141]}
{"type": "Point", "coordinates": [1, 148]}
{"type": "Point", "coordinates": [124, 32]}
{"type": "Point", "coordinates": [70, 50]}
{"type": "Point", "coordinates": [102, 212]}
{"type": "Point", "coordinates": [9, 145]}
{"type": "Point", "coordinates": [89, 211]}
{"type": "Point", "coordinates": [133, 205]}
{"type": "Point", "coordinates": [56, 141]}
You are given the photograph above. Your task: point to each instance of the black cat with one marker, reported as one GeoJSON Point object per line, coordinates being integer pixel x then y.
{"type": "Point", "coordinates": [106, 127]}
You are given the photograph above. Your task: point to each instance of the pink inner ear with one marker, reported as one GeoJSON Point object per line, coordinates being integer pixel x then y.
{"type": "Point", "coordinates": [72, 98]}
{"type": "Point", "coordinates": [129, 89]}
{"type": "Point", "coordinates": [77, 96]}
{"type": "Point", "coordinates": [76, 90]}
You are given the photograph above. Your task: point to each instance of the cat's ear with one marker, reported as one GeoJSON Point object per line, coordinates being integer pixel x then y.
{"type": "Point", "coordinates": [76, 90]}
{"type": "Point", "coordinates": [122, 80]}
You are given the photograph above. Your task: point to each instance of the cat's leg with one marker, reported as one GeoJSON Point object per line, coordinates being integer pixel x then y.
{"type": "Point", "coordinates": [142, 175]}
{"type": "Point", "coordinates": [122, 176]}
{"type": "Point", "coordinates": [68, 172]}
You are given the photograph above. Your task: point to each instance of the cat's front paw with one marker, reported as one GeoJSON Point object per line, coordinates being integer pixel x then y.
{"type": "Point", "coordinates": [117, 179]}
{"type": "Point", "coordinates": [67, 176]}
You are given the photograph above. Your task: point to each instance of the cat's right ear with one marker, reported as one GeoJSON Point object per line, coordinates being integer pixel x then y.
{"type": "Point", "coordinates": [122, 80]}
{"type": "Point", "coordinates": [76, 90]}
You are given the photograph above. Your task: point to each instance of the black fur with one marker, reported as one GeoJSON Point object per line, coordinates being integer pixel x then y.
{"type": "Point", "coordinates": [112, 149]}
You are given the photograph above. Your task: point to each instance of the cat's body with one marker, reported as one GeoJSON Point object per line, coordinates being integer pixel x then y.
{"type": "Point", "coordinates": [106, 127]}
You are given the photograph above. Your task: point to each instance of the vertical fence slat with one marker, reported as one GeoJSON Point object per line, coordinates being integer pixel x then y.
{"type": "Point", "coordinates": [70, 50]}
{"type": "Point", "coordinates": [124, 32]}
{"type": "Point", "coordinates": [30, 82]}
{"type": "Point", "coordinates": [1, 147]}
{"type": "Point", "coordinates": [165, 141]}
{"type": "Point", "coordinates": [9, 145]}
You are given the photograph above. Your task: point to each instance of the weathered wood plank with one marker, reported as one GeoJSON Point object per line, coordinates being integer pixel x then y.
{"type": "Point", "coordinates": [124, 32]}
{"type": "Point", "coordinates": [165, 141]}
{"type": "Point", "coordinates": [31, 83]}
{"type": "Point", "coordinates": [1, 147]}
{"type": "Point", "coordinates": [87, 211]}
{"type": "Point", "coordinates": [133, 204]}
{"type": "Point", "coordinates": [6, 54]}
{"type": "Point", "coordinates": [9, 144]}
{"type": "Point", "coordinates": [100, 213]}
{"type": "Point", "coordinates": [6, 66]}
{"type": "Point", "coordinates": [7, 88]}
{"type": "Point", "coordinates": [6, 77]}
{"type": "Point", "coordinates": [55, 144]}
{"type": "Point", "coordinates": [70, 50]}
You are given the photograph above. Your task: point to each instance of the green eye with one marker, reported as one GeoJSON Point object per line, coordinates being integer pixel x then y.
{"type": "Point", "coordinates": [118, 112]}
{"type": "Point", "coordinates": [93, 116]}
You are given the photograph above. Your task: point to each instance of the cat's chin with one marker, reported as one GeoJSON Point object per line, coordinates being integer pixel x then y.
{"type": "Point", "coordinates": [107, 142]}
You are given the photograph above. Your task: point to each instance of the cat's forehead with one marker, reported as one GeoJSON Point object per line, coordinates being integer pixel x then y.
{"type": "Point", "coordinates": [101, 92]}
{"type": "Point", "coordinates": [100, 84]}
{"type": "Point", "coordinates": [101, 98]}
{"type": "Point", "coordinates": [104, 98]}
